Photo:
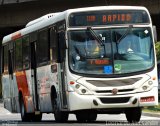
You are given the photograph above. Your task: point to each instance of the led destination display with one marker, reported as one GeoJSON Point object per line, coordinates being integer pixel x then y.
{"type": "Point", "coordinates": [108, 18]}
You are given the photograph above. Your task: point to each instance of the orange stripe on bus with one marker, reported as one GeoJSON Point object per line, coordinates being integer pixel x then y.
{"type": "Point", "coordinates": [22, 83]}
{"type": "Point", "coordinates": [16, 35]}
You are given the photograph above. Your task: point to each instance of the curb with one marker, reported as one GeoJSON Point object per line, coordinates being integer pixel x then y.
{"type": "Point", "coordinates": [151, 114]}
{"type": "Point", "coordinates": [3, 111]}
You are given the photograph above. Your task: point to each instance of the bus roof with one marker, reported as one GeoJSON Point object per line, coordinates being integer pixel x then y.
{"type": "Point", "coordinates": [52, 18]}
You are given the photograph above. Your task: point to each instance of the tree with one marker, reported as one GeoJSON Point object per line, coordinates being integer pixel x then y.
{"type": "Point", "coordinates": [158, 50]}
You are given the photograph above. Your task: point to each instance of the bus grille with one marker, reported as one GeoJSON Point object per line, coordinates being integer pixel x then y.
{"type": "Point", "coordinates": [110, 91]}
{"type": "Point", "coordinates": [113, 83]}
{"type": "Point", "coordinates": [114, 100]}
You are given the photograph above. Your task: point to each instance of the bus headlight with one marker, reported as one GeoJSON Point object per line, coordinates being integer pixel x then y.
{"type": "Point", "coordinates": [77, 86]}
{"type": "Point", "coordinates": [144, 88]}
{"type": "Point", "coordinates": [150, 82]}
{"type": "Point", "coordinates": [83, 91]}
{"type": "Point", "coordinates": [80, 89]}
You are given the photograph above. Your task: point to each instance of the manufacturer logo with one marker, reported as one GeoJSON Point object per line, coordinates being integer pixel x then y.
{"type": "Point", "coordinates": [114, 91]}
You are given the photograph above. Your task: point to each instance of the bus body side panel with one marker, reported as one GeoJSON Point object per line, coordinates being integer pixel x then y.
{"type": "Point", "coordinates": [23, 86]}
{"type": "Point", "coordinates": [6, 92]}
{"type": "Point", "coordinates": [45, 80]}
{"type": "Point", "coordinates": [15, 95]}
{"type": "Point", "coordinates": [10, 93]}
{"type": "Point", "coordinates": [29, 99]}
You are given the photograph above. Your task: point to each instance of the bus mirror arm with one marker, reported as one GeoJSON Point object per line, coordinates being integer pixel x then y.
{"type": "Point", "coordinates": [155, 33]}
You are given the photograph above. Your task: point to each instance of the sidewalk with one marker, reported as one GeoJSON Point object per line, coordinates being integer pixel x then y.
{"type": "Point", "coordinates": [152, 114]}
{"type": "Point", "coordinates": [3, 111]}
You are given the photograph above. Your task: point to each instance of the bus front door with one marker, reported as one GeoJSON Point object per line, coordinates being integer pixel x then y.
{"type": "Point", "coordinates": [62, 81]}
{"type": "Point", "coordinates": [34, 75]}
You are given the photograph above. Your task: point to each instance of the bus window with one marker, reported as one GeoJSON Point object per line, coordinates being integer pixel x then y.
{"type": "Point", "coordinates": [18, 54]}
{"type": "Point", "coordinates": [5, 59]}
{"type": "Point", "coordinates": [42, 44]}
{"type": "Point", "coordinates": [26, 54]}
{"type": "Point", "coordinates": [53, 44]}
{"type": "Point", "coordinates": [61, 46]}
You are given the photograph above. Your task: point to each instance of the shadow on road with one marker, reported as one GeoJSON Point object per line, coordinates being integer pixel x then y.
{"type": "Point", "coordinates": [75, 123]}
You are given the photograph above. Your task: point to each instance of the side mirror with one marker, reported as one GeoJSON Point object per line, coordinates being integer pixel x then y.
{"type": "Point", "coordinates": [155, 33]}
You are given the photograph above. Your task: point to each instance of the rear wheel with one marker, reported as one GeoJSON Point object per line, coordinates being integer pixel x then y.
{"type": "Point", "coordinates": [36, 117]}
{"type": "Point", "coordinates": [24, 116]}
{"type": "Point", "coordinates": [133, 115]}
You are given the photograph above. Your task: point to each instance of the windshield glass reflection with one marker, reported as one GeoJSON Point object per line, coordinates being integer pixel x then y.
{"type": "Point", "coordinates": [121, 51]}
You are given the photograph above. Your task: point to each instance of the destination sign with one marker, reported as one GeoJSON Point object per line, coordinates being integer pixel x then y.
{"type": "Point", "coordinates": [98, 61]}
{"type": "Point", "coordinates": [108, 18]}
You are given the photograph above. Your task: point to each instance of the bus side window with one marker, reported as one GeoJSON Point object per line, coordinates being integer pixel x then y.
{"type": "Point", "coordinates": [42, 48]}
{"type": "Point", "coordinates": [18, 54]}
{"type": "Point", "coordinates": [26, 52]}
{"type": "Point", "coordinates": [11, 58]}
{"type": "Point", "coordinates": [5, 59]}
{"type": "Point", "coordinates": [53, 44]}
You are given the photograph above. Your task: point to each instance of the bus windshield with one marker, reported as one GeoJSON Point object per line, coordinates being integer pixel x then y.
{"type": "Point", "coordinates": [124, 50]}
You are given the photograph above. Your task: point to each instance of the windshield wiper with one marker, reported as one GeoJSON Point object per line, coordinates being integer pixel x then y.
{"type": "Point", "coordinates": [95, 36]}
{"type": "Point", "coordinates": [125, 34]}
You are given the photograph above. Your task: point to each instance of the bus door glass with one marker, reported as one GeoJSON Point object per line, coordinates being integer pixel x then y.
{"type": "Point", "coordinates": [33, 40]}
{"type": "Point", "coordinates": [61, 60]}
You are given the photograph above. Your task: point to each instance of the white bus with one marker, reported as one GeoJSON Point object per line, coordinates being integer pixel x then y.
{"type": "Point", "coordinates": [84, 61]}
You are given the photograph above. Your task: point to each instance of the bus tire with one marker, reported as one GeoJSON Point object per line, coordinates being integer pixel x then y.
{"type": "Point", "coordinates": [92, 116]}
{"type": "Point", "coordinates": [133, 115]}
{"type": "Point", "coordinates": [24, 116]}
{"type": "Point", "coordinates": [86, 116]}
{"type": "Point", "coordinates": [36, 118]}
{"type": "Point", "coordinates": [53, 97]}
{"type": "Point", "coordinates": [81, 116]}
{"type": "Point", "coordinates": [59, 115]}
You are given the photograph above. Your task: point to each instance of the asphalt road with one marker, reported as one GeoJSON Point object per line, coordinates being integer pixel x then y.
{"type": "Point", "coordinates": [9, 119]}
{"type": "Point", "coordinates": [102, 120]}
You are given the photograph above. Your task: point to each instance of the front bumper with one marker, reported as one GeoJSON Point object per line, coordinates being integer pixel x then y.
{"type": "Point", "coordinates": [80, 102]}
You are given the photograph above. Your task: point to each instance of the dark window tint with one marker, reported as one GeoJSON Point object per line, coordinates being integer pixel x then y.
{"type": "Point", "coordinates": [18, 54]}
{"type": "Point", "coordinates": [5, 58]}
{"type": "Point", "coordinates": [53, 44]}
{"type": "Point", "coordinates": [42, 48]}
{"type": "Point", "coordinates": [26, 54]}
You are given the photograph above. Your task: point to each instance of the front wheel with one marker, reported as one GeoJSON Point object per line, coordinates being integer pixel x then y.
{"type": "Point", "coordinates": [133, 115]}
{"type": "Point", "coordinates": [86, 116]}
{"type": "Point", "coordinates": [60, 116]}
